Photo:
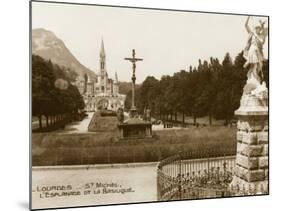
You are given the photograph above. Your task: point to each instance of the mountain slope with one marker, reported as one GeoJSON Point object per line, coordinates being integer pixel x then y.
{"type": "Point", "coordinates": [47, 45]}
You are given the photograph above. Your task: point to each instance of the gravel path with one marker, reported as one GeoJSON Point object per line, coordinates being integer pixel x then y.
{"type": "Point", "coordinates": [80, 126]}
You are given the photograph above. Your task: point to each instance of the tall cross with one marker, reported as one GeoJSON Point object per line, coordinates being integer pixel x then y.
{"type": "Point", "coordinates": [133, 111]}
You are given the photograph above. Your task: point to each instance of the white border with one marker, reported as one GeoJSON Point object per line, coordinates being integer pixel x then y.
{"type": "Point", "coordinates": [14, 116]}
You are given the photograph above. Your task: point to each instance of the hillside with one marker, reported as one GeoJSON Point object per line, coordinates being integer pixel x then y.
{"type": "Point", "coordinates": [47, 45]}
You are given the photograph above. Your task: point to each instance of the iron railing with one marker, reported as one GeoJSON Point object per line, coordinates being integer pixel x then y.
{"type": "Point", "coordinates": [201, 174]}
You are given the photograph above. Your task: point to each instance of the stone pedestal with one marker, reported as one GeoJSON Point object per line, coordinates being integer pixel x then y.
{"type": "Point", "coordinates": [251, 171]}
{"type": "Point", "coordinates": [135, 128]}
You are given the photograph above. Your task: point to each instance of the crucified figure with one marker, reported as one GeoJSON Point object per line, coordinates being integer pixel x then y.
{"type": "Point", "coordinates": [253, 52]}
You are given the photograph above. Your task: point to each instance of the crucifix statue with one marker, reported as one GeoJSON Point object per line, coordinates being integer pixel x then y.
{"type": "Point", "coordinates": [133, 59]}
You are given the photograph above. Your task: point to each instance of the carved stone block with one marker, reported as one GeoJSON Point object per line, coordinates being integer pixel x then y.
{"type": "Point", "coordinates": [247, 162]}
{"type": "Point", "coordinates": [250, 138]}
{"type": "Point", "coordinates": [251, 150]}
{"type": "Point", "coordinates": [241, 172]}
{"type": "Point", "coordinates": [239, 135]}
{"type": "Point", "coordinates": [262, 137]}
{"type": "Point", "coordinates": [263, 162]}
{"type": "Point", "coordinates": [256, 175]}
{"type": "Point", "coordinates": [266, 174]}
{"type": "Point", "coordinates": [265, 150]}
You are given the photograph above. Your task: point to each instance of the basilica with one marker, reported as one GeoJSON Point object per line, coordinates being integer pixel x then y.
{"type": "Point", "coordinates": [101, 92]}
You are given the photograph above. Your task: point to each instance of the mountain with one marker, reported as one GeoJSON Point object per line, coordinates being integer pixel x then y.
{"type": "Point", "coordinates": [47, 45]}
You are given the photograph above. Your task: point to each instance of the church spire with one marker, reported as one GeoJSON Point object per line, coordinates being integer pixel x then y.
{"type": "Point", "coordinates": [116, 77]}
{"type": "Point", "coordinates": [102, 56]}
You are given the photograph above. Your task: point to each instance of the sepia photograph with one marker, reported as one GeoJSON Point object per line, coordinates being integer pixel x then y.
{"type": "Point", "coordinates": [135, 105]}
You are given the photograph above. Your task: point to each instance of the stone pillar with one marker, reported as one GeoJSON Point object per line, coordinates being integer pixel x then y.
{"type": "Point", "coordinates": [251, 170]}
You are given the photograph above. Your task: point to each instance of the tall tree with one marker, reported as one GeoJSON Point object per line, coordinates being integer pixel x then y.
{"type": "Point", "coordinates": [53, 94]}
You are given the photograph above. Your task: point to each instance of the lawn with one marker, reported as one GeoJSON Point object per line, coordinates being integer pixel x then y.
{"type": "Point", "coordinates": [104, 147]}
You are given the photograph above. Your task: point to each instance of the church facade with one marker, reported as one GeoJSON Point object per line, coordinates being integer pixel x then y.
{"type": "Point", "coordinates": [102, 92]}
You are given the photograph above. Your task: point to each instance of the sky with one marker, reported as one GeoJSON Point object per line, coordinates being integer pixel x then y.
{"type": "Point", "coordinates": [167, 41]}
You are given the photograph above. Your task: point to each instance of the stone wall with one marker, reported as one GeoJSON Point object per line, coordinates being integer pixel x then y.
{"type": "Point", "coordinates": [251, 171]}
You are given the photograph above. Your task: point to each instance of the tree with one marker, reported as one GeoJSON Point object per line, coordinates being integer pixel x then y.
{"type": "Point", "coordinates": [211, 89]}
{"type": "Point", "coordinates": [225, 90]}
{"type": "Point", "coordinates": [148, 95]}
{"type": "Point", "coordinates": [53, 95]}
{"type": "Point", "coordinates": [42, 84]}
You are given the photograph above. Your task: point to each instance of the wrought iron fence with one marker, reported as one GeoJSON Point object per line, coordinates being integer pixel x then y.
{"type": "Point", "coordinates": [195, 175]}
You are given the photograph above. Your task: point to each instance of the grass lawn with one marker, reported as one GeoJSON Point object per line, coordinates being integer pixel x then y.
{"type": "Point", "coordinates": [200, 120]}
{"type": "Point", "coordinates": [104, 147]}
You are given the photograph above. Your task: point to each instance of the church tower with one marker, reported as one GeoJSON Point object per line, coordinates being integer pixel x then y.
{"type": "Point", "coordinates": [103, 93]}
{"type": "Point", "coordinates": [103, 74]}
{"type": "Point", "coordinates": [116, 77]}
{"type": "Point", "coordinates": [102, 56]}
{"type": "Point", "coordinates": [116, 85]}
{"type": "Point", "coordinates": [89, 86]}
